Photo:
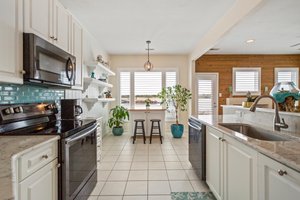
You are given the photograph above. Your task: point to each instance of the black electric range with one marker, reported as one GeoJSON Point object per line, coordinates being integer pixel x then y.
{"type": "Point", "coordinates": [77, 145]}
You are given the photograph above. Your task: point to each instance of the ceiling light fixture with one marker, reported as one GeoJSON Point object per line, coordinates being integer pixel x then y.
{"type": "Point", "coordinates": [250, 41]}
{"type": "Point", "coordinates": [148, 65]}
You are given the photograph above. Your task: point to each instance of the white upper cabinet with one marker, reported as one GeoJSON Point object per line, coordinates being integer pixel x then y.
{"type": "Point", "coordinates": [61, 29]}
{"type": "Point", "coordinates": [76, 50]}
{"type": "Point", "coordinates": [49, 20]}
{"type": "Point", "coordinates": [11, 51]}
{"type": "Point", "coordinates": [38, 18]}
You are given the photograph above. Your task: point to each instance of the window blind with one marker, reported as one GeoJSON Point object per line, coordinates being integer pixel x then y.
{"type": "Point", "coordinates": [125, 89]}
{"type": "Point", "coordinates": [147, 85]}
{"type": "Point", "coordinates": [246, 80]}
{"type": "Point", "coordinates": [205, 92]}
{"type": "Point", "coordinates": [171, 79]}
{"type": "Point", "coordinates": [286, 74]}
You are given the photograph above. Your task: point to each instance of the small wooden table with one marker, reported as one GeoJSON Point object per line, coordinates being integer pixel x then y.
{"type": "Point", "coordinates": [147, 114]}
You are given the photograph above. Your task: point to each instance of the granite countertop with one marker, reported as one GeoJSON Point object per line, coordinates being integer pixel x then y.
{"type": "Point", "coordinates": [11, 147]}
{"type": "Point", "coordinates": [268, 110]}
{"type": "Point", "coordinates": [285, 152]}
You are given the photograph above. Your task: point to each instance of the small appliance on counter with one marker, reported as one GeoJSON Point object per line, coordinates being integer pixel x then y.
{"type": "Point", "coordinates": [71, 109]}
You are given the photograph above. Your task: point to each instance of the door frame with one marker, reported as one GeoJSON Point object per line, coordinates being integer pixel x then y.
{"type": "Point", "coordinates": [196, 89]}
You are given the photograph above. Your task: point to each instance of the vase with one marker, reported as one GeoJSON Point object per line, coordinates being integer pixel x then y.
{"type": "Point", "coordinates": [117, 131]}
{"type": "Point", "coordinates": [177, 130]}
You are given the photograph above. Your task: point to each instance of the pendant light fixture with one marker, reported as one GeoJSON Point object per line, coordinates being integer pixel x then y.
{"type": "Point", "coordinates": [148, 65]}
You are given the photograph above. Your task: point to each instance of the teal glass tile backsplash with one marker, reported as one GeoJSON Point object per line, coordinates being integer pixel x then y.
{"type": "Point", "coordinates": [12, 93]}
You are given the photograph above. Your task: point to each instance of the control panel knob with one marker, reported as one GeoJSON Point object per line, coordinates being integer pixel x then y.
{"type": "Point", "coordinates": [18, 109]}
{"type": "Point", "coordinates": [8, 111]}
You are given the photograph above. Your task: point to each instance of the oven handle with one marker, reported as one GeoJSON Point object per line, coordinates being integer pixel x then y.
{"type": "Point", "coordinates": [194, 127]}
{"type": "Point", "coordinates": [72, 139]}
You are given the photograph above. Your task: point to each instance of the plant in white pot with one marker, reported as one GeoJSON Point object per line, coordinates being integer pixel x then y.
{"type": "Point", "coordinates": [119, 115]}
{"type": "Point", "coordinates": [177, 97]}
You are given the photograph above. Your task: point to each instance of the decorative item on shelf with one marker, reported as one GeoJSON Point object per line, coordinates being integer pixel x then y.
{"type": "Point", "coordinates": [119, 115]}
{"type": "Point", "coordinates": [148, 102]}
{"type": "Point", "coordinates": [286, 93]}
{"type": "Point", "coordinates": [177, 97]}
{"type": "Point", "coordinates": [148, 66]}
{"type": "Point", "coordinates": [249, 101]}
{"type": "Point", "coordinates": [93, 75]}
{"type": "Point", "coordinates": [103, 77]}
{"type": "Point", "coordinates": [99, 58]}
{"type": "Point", "coordinates": [108, 94]}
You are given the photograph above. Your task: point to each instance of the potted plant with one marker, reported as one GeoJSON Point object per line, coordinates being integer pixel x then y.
{"type": "Point", "coordinates": [119, 115]}
{"type": "Point", "coordinates": [177, 97]}
{"type": "Point", "coordinates": [249, 101]}
{"type": "Point", "coordinates": [147, 102]}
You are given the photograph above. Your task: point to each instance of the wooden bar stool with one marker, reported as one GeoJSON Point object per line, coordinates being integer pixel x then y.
{"type": "Point", "coordinates": [141, 127]}
{"type": "Point", "coordinates": [157, 127]}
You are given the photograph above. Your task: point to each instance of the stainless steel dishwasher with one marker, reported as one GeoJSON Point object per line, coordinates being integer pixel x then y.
{"type": "Point", "coordinates": [197, 149]}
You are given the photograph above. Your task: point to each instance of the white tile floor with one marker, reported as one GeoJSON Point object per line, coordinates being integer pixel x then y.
{"type": "Point", "coordinates": [144, 171]}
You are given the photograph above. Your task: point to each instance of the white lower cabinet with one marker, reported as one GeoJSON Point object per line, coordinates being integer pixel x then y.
{"type": "Point", "coordinates": [231, 167]}
{"type": "Point", "coordinates": [37, 176]}
{"type": "Point", "coordinates": [214, 162]}
{"type": "Point", "coordinates": [40, 185]}
{"type": "Point", "coordinates": [240, 170]}
{"type": "Point", "coordinates": [277, 181]}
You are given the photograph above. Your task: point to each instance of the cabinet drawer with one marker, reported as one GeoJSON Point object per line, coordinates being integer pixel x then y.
{"type": "Point", "coordinates": [36, 159]}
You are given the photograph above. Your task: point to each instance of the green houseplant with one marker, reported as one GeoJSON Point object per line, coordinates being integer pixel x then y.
{"type": "Point", "coordinates": [119, 115]}
{"type": "Point", "coordinates": [177, 97]}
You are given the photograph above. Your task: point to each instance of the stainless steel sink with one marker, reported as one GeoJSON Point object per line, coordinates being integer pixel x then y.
{"type": "Point", "coordinates": [255, 132]}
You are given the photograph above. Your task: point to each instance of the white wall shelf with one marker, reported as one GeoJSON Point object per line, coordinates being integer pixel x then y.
{"type": "Point", "coordinates": [91, 81]}
{"type": "Point", "coordinates": [93, 65]}
{"type": "Point", "coordinates": [96, 100]}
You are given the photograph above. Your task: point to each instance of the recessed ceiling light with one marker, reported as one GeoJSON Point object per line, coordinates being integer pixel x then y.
{"type": "Point", "coordinates": [250, 41]}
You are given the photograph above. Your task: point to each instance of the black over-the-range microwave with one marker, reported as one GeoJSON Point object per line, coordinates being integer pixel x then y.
{"type": "Point", "coordinates": [46, 63]}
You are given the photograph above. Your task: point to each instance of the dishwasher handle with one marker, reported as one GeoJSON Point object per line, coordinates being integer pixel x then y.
{"type": "Point", "coordinates": [194, 127]}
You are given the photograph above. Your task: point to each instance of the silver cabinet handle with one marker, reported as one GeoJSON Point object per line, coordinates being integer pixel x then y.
{"type": "Point", "coordinates": [223, 140]}
{"type": "Point", "coordinates": [55, 39]}
{"type": "Point", "coordinates": [22, 72]}
{"type": "Point", "coordinates": [52, 37]}
{"type": "Point", "coordinates": [45, 156]}
{"type": "Point", "coordinates": [58, 165]}
{"type": "Point", "coordinates": [282, 172]}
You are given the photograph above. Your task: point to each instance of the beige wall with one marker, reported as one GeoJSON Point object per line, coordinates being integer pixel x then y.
{"type": "Point", "coordinates": [179, 62]}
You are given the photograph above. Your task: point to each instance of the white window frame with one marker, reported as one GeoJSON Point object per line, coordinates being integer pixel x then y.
{"type": "Point", "coordinates": [235, 69]}
{"type": "Point", "coordinates": [284, 69]}
{"type": "Point", "coordinates": [132, 70]}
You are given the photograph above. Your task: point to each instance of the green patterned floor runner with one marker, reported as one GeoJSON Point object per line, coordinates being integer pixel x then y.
{"type": "Point", "coordinates": [192, 196]}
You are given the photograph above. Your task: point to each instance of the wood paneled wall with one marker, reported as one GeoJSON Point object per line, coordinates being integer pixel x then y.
{"type": "Point", "coordinates": [223, 65]}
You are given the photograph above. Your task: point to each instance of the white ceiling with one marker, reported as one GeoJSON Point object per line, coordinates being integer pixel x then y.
{"type": "Point", "coordinates": [173, 26]}
{"type": "Point", "coordinates": [274, 24]}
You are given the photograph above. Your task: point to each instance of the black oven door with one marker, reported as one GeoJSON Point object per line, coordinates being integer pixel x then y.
{"type": "Point", "coordinates": [79, 162]}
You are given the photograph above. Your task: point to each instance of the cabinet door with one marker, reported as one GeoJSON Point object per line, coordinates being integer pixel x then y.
{"type": "Point", "coordinates": [214, 161]}
{"type": "Point", "coordinates": [38, 18]}
{"type": "Point", "coordinates": [240, 171]}
{"type": "Point", "coordinates": [40, 185]}
{"type": "Point", "coordinates": [276, 186]}
{"type": "Point", "coordinates": [61, 28]}
{"type": "Point", "coordinates": [11, 16]}
{"type": "Point", "coordinates": [77, 35]}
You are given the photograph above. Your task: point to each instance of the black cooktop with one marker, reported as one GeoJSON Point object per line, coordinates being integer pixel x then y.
{"type": "Point", "coordinates": [64, 128]}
